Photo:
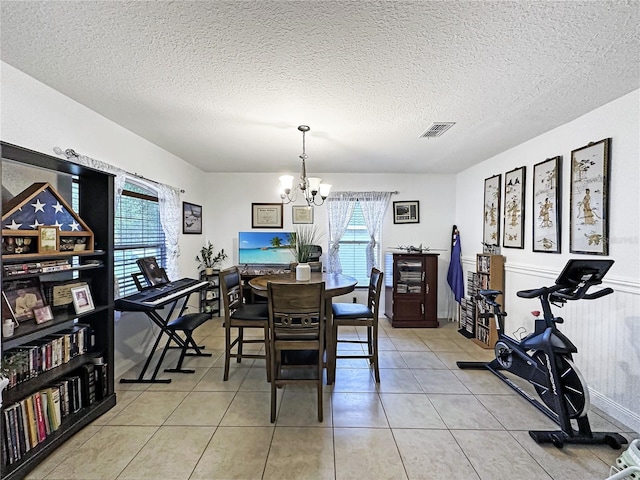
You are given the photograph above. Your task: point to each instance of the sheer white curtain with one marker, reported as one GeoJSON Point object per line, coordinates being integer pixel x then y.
{"type": "Point", "coordinates": [120, 175]}
{"type": "Point", "coordinates": [171, 220]}
{"type": "Point", "coordinates": [373, 206]}
{"type": "Point", "coordinates": [339, 209]}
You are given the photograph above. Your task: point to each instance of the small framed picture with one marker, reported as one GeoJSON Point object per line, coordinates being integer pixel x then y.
{"type": "Point", "coordinates": [300, 214]}
{"type": "Point", "coordinates": [191, 218]}
{"type": "Point", "coordinates": [82, 300]}
{"type": "Point", "coordinates": [514, 183]}
{"type": "Point", "coordinates": [43, 314]}
{"type": "Point", "coordinates": [47, 239]}
{"type": "Point", "coordinates": [266, 215]}
{"type": "Point", "coordinates": [491, 225]}
{"type": "Point", "coordinates": [406, 212]}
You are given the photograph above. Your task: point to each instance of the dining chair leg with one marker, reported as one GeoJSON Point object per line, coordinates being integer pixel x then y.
{"type": "Point", "coordinates": [319, 388]}
{"type": "Point", "coordinates": [267, 352]}
{"type": "Point", "coordinates": [274, 391]}
{"type": "Point", "coordinates": [240, 341]}
{"type": "Point", "coordinates": [227, 352]}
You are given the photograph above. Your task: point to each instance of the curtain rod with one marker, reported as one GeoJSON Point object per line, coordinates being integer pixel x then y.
{"type": "Point", "coordinates": [70, 153]}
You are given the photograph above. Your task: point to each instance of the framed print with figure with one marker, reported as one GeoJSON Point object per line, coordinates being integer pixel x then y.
{"type": "Point", "coordinates": [514, 208]}
{"type": "Point", "coordinates": [191, 218]}
{"type": "Point", "coordinates": [546, 205]}
{"type": "Point", "coordinates": [266, 215]}
{"type": "Point", "coordinates": [491, 229]}
{"type": "Point", "coordinates": [82, 300]}
{"type": "Point", "coordinates": [589, 209]}
{"type": "Point", "coordinates": [301, 214]}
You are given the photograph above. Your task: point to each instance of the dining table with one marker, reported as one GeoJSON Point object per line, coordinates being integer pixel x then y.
{"type": "Point", "coordinates": [335, 284]}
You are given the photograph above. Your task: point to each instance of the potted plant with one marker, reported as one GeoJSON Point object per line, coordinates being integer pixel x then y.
{"type": "Point", "coordinates": [208, 259]}
{"type": "Point", "coordinates": [301, 244]}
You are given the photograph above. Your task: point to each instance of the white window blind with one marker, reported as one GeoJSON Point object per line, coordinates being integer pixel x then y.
{"type": "Point", "coordinates": [353, 245]}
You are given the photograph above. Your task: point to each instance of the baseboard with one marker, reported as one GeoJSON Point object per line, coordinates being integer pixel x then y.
{"type": "Point", "coordinates": [616, 411]}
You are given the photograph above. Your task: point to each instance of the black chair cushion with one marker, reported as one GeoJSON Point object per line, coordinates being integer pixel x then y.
{"type": "Point", "coordinates": [188, 322]}
{"type": "Point", "coordinates": [252, 311]}
{"type": "Point", "coordinates": [351, 310]}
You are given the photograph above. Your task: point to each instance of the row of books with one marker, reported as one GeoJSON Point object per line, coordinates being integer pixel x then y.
{"type": "Point", "coordinates": [36, 267]}
{"type": "Point", "coordinates": [33, 358]}
{"type": "Point", "coordinates": [30, 421]}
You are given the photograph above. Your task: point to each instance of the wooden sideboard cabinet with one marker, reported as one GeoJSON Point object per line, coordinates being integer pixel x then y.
{"type": "Point", "coordinates": [411, 289]}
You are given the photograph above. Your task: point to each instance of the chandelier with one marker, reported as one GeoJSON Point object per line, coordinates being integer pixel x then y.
{"type": "Point", "coordinates": [308, 186]}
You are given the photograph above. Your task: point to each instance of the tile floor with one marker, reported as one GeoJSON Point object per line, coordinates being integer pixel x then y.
{"type": "Point", "coordinates": [425, 420]}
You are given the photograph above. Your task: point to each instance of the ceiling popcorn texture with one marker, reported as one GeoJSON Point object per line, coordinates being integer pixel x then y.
{"type": "Point", "coordinates": [225, 84]}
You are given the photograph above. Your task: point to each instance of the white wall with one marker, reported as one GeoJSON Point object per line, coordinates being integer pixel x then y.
{"type": "Point", "coordinates": [606, 331]}
{"type": "Point", "coordinates": [231, 196]}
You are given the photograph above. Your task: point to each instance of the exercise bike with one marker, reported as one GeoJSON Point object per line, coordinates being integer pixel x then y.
{"type": "Point", "coordinates": [544, 357]}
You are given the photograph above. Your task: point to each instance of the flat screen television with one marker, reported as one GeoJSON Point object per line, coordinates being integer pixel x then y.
{"type": "Point", "coordinates": [265, 248]}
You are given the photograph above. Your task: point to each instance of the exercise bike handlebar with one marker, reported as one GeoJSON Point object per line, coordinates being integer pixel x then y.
{"type": "Point", "coordinates": [564, 292]}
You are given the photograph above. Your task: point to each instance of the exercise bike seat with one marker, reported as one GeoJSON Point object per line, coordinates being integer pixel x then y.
{"type": "Point", "coordinates": [490, 295]}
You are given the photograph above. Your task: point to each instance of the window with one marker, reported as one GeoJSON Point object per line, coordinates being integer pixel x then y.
{"type": "Point", "coordinates": [353, 248]}
{"type": "Point", "coordinates": [138, 234]}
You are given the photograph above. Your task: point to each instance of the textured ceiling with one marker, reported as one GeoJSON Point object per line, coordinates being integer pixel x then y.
{"type": "Point", "coordinates": [224, 84]}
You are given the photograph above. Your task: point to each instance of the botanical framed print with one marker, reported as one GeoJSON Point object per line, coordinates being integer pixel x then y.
{"type": "Point", "coordinates": [82, 300]}
{"type": "Point", "coordinates": [589, 215]}
{"type": "Point", "coordinates": [47, 239]}
{"type": "Point", "coordinates": [406, 212]}
{"type": "Point", "coordinates": [514, 186]}
{"type": "Point", "coordinates": [191, 218]}
{"type": "Point", "coordinates": [546, 205]}
{"type": "Point", "coordinates": [301, 214]}
{"type": "Point", "coordinates": [266, 215]}
{"type": "Point", "coordinates": [491, 229]}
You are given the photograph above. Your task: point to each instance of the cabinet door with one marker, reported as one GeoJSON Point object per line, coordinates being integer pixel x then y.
{"type": "Point", "coordinates": [409, 309]}
{"type": "Point", "coordinates": [409, 276]}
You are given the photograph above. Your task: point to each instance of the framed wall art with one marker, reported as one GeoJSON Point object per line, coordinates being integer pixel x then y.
{"type": "Point", "coordinates": [589, 215]}
{"type": "Point", "coordinates": [266, 215]}
{"type": "Point", "coordinates": [301, 214]}
{"type": "Point", "coordinates": [491, 229]}
{"type": "Point", "coordinates": [406, 212]}
{"type": "Point", "coordinates": [47, 239]}
{"type": "Point", "coordinates": [191, 218]}
{"type": "Point", "coordinates": [547, 215]}
{"type": "Point", "coordinates": [514, 186]}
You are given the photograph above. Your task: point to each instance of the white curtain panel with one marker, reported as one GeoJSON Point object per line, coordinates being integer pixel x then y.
{"type": "Point", "coordinates": [171, 220]}
{"type": "Point", "coordinates": [339, 210]}
{"type": "Point", "coordinates": [373, 206]}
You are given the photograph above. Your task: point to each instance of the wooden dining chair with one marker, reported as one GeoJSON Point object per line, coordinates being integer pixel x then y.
{"type": "Point", "coordinates": [361, 315]}
{"type": "Point", "coordinates": [296, 325]}
{"type": "Point", "coordinates": [239, 315]}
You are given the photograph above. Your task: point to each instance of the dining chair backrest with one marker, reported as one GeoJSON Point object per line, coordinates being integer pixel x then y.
{"type": "Point", "coordinates": [296, 311]}
{"type": "Point", "coordinates": [375, 289]}
{"type": "Point", "coordinates": [231, 289]}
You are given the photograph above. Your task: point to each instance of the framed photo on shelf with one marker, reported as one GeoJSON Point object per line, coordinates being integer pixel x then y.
{"type": "Point", "coordinates": [266, 215]}
{"type": "Point", "coordinates": [406, 212]}
{"type": "Point", "coordinates": [23, 299]}
{"type": "Point", "coordinates": [547, 215]}
{"type": "Point", "coordinates": [82, 300]}
{"type": "Point", "coordinates": [191, 218]}
{"type": "Point", "coordinates": [47, 239]}
{"type": "Point", "coordinates": [301, 214]}
{"type": "Point", "coordinates": [514, 208]}
{"type": "Point", "coordinates": [43, 314]}
{"type": "Point", "coordinates": [589, 199]}
{"type": "Point", "coordinates": [491, 222]}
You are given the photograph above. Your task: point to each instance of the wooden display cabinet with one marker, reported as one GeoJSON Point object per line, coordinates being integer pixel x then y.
{"type": "Point", "coordinates": [411, 289]}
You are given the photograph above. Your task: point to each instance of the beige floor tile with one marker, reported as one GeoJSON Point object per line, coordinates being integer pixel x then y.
{"type": "Point", "coordinates": [464, 411]}
{"type": "Point", "coordinates": [422, 360]}
{"type": "Point", "coordinates": [301, 453]}
{"type": "Point", "coordinates": [213, 382]}
{"type": "Point", "coordinates": [164, 457]}
{"type": "Point", "coordinates": [194, 361]}
{"type": "Point", "coordinates": [385, 344]}
{"type": "Point", "coordinates": [482, 382]}
{"type": "Point", "coordinates": [391, 359]}
{"type": "Point", "coordinates": [397, 380]}
{"type": "Point", "coordinates": [180, 382]}
{"type": "Point", "coordinates": [248, 409]}
{"type": "Point", "coordinates": [439, 381]}
{"type": "Point", "coordinates": [432, 455]}
{"type": "Point", "coordinates": [410, 411]}
{"type": "Point", "coordinates": [367, 453]}
{"type": "Point", "coordinates": [61, 454]}
{"type": "Point", "coordinates": [442, 345]}
{"type": "Point", "coordinates": [235, 453]}
{"type": "Point", "coordinates": [201, 409]}
{"type": "Point", "coordinates": [299, 408]}
{"type": "Point", "coordinates": [149, 408]}
{"type": "Point", "coordinates": [256, 380]}
{"type": "Point", "coordinates": [496, 455]}
{"type": "Point", "coordinates": [568, 463]}
{"type": "Point", "coordinates": [92, 460]}
{"type": "Point", "coordinates": [358, 410]}
{"type": "Point", "coordinates": [354, 380]}
{"type": "Point", "coordinates": [515, 413]}
{"type": "Point", "coordinates": [450, 359]}
{"type": "Point", "coordinates": [123, 398]}
{"type": "Point", "coordinates": [410, 344]}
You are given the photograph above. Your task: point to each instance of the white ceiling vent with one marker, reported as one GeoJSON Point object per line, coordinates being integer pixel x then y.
{"type": "Point", "coordinates": [437, 129]}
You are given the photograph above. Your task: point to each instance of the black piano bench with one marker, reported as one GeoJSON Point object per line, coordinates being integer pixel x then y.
{"type": "Point", "coordinates": [186, 324]}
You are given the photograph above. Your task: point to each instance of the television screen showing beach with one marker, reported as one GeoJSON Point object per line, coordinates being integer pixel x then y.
{"type": "Point", "coordinates": [265, 248]}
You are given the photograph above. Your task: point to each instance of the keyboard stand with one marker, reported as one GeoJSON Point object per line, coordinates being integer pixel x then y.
{"type": "Point", "coordinates": [180, 343]}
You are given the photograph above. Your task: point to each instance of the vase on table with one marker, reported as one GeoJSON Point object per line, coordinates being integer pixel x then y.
{"type": "Point", "coordinates": [303, 272]}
